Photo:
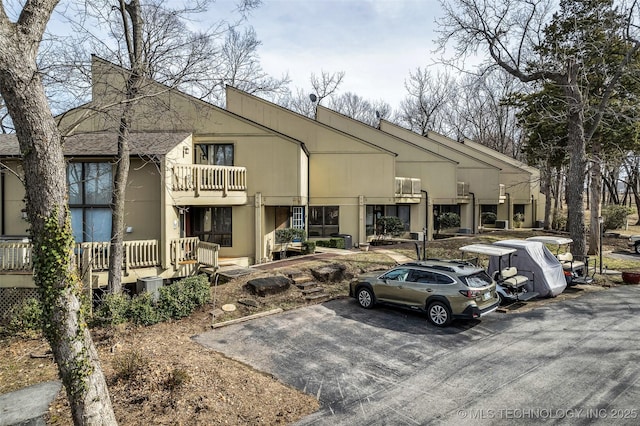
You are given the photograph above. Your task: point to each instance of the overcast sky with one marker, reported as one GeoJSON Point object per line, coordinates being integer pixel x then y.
{"type": "Point", "coordinates": [375, 42]}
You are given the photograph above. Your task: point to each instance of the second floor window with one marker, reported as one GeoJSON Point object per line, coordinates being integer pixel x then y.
{"type": "Point", "coordinates": [90, 192]}
{"type": "Point", "coordinates": [217, 154]}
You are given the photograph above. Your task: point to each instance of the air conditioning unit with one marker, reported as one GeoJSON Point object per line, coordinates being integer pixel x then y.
{"type": "Point", "coordinates": [417, 235]}
{"type": "Point", "coordinates": [150, 285]}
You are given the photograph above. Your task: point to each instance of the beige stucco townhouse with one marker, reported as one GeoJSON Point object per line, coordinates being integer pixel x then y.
{"type": "Point", "coordinates": [210, 186]}
{"type": "Point", "coordinates": [443, 191]}
{"type": "Point", "coordinates": [495, 182]}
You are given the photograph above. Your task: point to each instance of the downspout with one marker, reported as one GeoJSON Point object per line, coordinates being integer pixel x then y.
{"type": "Point", "coordinates": [3, 211]}
{"type": "Point", "coordinates": [509, 219]}
{"type": "Point", "coordinates": [426, 224]}
{"type": "Point", "coordinates": [473, 211]}
{"type": "Point", "coordinates": [533, 212]}
{"type": "Point", "coordinates": [306, 213]}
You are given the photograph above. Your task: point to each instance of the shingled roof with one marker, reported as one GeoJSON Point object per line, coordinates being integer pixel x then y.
{"type": "Point", "coordinates": [104, 144]}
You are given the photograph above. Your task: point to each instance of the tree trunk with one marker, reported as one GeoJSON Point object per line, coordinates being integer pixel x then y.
{"type": "Point", "coordinates": [46, 199]}
{"type": "Point", "coordinates": [575, 177]}
{"type": "Point", "coordinates": [595, 205]}
{"type": "Point", "coordinates": [546, 187]}
{"type": "Point", "coordinates": [133, 25]}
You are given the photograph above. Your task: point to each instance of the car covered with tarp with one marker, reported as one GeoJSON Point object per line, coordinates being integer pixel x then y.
{"type": "Point", "coordinates": [534, 260]}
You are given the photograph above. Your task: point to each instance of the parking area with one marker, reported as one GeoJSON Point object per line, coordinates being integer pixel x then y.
{"type": "Point", "coordinates": [570, 362]}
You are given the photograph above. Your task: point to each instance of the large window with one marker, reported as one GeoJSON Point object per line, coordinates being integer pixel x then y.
{"type": "Point", "coordinates": [90, 191]}
{"type": "Point", "coordinates": [401, 211]}
{"type": "Point", "coordinates": [324, 221]}
{"type": "Point", "coordinates": [218, 154]}
{"type": "Point", "coordinates": [213, 224]}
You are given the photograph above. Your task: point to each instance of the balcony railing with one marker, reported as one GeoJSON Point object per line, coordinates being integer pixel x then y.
{"type": "Point", "coordinates": [17, 256]}
{"type": "Point", "coordinates": [408, 187]}
{"type": "Point", "coordinates": [503, 192]}
{"type": "Point", "coordinates": [463, 189]}
{"type": "Point", "coordinates": [199, 177]}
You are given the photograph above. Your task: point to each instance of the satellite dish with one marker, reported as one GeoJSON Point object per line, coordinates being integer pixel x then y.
{"type": "Point", "coordinates": [313, 98]}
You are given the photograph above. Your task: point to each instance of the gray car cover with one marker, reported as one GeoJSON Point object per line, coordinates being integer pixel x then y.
{"type": "Point", "coordinates": [534, 260]}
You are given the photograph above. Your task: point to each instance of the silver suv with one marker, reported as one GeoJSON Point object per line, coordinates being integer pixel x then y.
{"type": "Point", "coordinates": [444, 289]}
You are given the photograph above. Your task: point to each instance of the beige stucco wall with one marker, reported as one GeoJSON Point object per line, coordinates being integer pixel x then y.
{"type": "Point", "coordinates": [11, 207]}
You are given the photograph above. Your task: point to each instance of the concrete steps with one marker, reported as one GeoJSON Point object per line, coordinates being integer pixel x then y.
{"type": "Point", "coordinates": [310, 289]}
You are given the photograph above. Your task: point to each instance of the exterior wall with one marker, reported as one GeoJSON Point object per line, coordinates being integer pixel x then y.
{"type": "Point", "coordinates": [11, 206]}
{"type": "Point", "coordinates": [482, 176]}
{"type": "Point", "coordinates": [438, 173]}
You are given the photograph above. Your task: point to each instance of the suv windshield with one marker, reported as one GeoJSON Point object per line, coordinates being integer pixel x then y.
{"type": "Point", "coordinates": [479, 279]}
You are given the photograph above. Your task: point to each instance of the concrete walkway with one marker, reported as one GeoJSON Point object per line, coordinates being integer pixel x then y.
{"type": "Point", "coordinates": [28, 406]}
{"type": "Point", "coordinates": [399, 258]}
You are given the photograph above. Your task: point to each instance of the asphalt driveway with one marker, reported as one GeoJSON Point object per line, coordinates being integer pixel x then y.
{"type": "Point", "coordinates": [571, 362]}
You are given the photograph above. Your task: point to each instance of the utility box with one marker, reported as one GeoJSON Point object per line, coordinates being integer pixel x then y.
{"type": "Point", "coordinates": [151, 285]}
{"type": "Point", "coordinates": [502, 224]}
{"type": "Point", "coordinates": [419, 236]}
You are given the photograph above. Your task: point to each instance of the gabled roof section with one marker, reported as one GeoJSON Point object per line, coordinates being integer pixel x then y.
{"type": "Point", "coordinates": [234, 94]}
{"type": "Point", "coordinates": [101, 69]}
{"type": "Point", "coordinates": [104, 144]}
{"type": "Point", "coordinates": [497, 154]}
{"type": "Point", "coordinates": [451, 147]}
{"type": "Point", "coordinates": [363, 127]}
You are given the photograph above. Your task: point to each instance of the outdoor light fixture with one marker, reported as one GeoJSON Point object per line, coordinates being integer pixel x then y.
{"type": "Point", "coordinates": [185, 151]}
{"type": "Point", "coordinates": [23, 212]}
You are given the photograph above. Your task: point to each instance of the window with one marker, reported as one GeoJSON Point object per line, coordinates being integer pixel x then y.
{"type": "Point", "coordinates": [297, 218]}
{"type": "Point", "coordinates": [324, 221]}
{"type": "Point", "coordinates": [90, 191]}
{"type": "Point", "coordinates": [518, 209]}
{"type": "Point", "coordinates": [219, 154]}
{"type": "Point", "coordinates": [213, 224]}
{"type": "Point", "coordinates": [401, 211]}
{"type": "Point", "coordinates": [396, 274]}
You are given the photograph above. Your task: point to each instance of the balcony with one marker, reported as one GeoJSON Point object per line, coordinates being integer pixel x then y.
{"type": "Point", "coordinates": [408, 190]}
{"type": "Point", "coordinates": [463, 191]}
{"type": "Point", "coordinates": [193, 181]}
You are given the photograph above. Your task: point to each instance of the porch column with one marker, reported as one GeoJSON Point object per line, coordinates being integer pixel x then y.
{"type": "Point", "coordinates": [362, 224]}
{"type": "Point", "coordinates": [259, 249]}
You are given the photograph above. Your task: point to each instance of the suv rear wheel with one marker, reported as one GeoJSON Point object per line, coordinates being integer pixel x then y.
{"type": "Point", "coordinates": [365, 298]}
{"type": "Point", "coordinates": [439, 314]}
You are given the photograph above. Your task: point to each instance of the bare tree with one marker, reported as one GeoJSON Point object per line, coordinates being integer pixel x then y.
{"type": "Point", "coordinates": [46, 198]}
{"type": "Point", "coordinates": [527, 42]}
{"type": "Point", "coordinates": [326, 84]}
{"type": "Point", "coordinates": [483, 113]}
{"type": "Point", "coordinates": [424, 107]}
{"type": "Point", "coordinates": [359, 108]}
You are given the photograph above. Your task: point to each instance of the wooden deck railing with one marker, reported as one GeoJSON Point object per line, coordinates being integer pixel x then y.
{"type": "Point", "coordinates": [17, 256]}
{"type": "Point", "coordinates": [200, 177]}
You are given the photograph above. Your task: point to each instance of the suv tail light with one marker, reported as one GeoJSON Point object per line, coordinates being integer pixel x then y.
{"type": "Point", "coordinates": [471, 294]}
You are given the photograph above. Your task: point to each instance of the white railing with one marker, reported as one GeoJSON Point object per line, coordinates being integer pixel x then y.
{"type": "Point", "coordinates": [408, 186]}
{"type": "Point", "coordinates": [184, 250]}
{"type": "Point", "coordinates": [15, 256]}
{"type": "Point", "coordinates": [463, 189]}
{"type": "Point", "coordinates": [199, 177]}
{"type": "Point", "coordinates": [503, 191]}
{"type": "Point", "coordinates": [208, 254]}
